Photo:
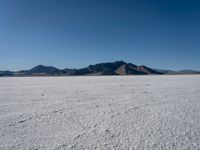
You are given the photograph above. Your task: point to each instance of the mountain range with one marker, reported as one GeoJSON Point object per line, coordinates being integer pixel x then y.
{"type": "Point", "coordinates": [110, 68]}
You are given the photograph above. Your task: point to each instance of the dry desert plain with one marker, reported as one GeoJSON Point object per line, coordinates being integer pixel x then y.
{"type": "Point", "coordinates": [100, 112]}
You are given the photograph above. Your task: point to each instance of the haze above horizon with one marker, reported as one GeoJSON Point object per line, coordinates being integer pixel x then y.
{"type": "Point", "coordinates": [75, 33]}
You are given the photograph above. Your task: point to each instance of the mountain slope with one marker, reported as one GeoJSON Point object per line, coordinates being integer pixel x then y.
{"type": "Point", "coordinates": [109, 68]}
{"type": "Point", "coordinates": [147, 70]}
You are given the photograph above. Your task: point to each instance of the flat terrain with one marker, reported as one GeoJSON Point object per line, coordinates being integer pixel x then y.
{"type": "Point", "coordinates": [105, 112]}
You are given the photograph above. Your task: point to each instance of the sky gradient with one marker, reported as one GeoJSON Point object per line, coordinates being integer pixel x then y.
{"type": "Point", "coordinates": [162, 34]}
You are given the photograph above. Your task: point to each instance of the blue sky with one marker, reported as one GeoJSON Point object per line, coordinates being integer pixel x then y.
{"type": "Point", "coordinates": [75, 33]}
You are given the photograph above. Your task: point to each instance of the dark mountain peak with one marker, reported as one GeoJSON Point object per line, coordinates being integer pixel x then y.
{"type": "Point", "coordinates": [143, 66]}
{"type": "Point", "coordinates": [42, 66]}
{"type": "Point", "coordinates": [44, 70]}
{"type": "Point", "coordinates": [120, 62]}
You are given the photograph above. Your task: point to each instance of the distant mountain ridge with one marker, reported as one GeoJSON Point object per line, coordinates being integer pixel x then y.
{"type": "Point", "coordinates": [178, 72]}
{"type": "Point", "coordinates": [109, 68]}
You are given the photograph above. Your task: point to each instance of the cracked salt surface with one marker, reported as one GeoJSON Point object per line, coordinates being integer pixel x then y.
{"type": "Point", "coordinates": [107, 112]}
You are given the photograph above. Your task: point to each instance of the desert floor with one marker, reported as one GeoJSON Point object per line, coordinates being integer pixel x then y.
{"type": "Point", "coordinates": [104, 112]}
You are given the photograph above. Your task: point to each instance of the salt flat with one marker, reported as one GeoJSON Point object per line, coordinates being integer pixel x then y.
{"type": "Point", "coordinates": [105, 112]}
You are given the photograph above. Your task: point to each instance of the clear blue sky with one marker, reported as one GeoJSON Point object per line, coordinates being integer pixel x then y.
{"type": "Point", "coordinates": [76, 33]}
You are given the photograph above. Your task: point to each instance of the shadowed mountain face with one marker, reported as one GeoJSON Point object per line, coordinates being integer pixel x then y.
{"type": "Point", "coordinates": [6, 73]}
{"type": "Point", "coordinates": [111, 68]}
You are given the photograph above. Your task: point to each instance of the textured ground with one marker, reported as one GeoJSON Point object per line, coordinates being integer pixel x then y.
{"type": "Point", "coordinates": [127, 112]}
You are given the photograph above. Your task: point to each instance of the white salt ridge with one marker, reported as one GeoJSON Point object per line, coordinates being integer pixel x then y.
{"type": "Point", "coordinates": [115, 112]}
